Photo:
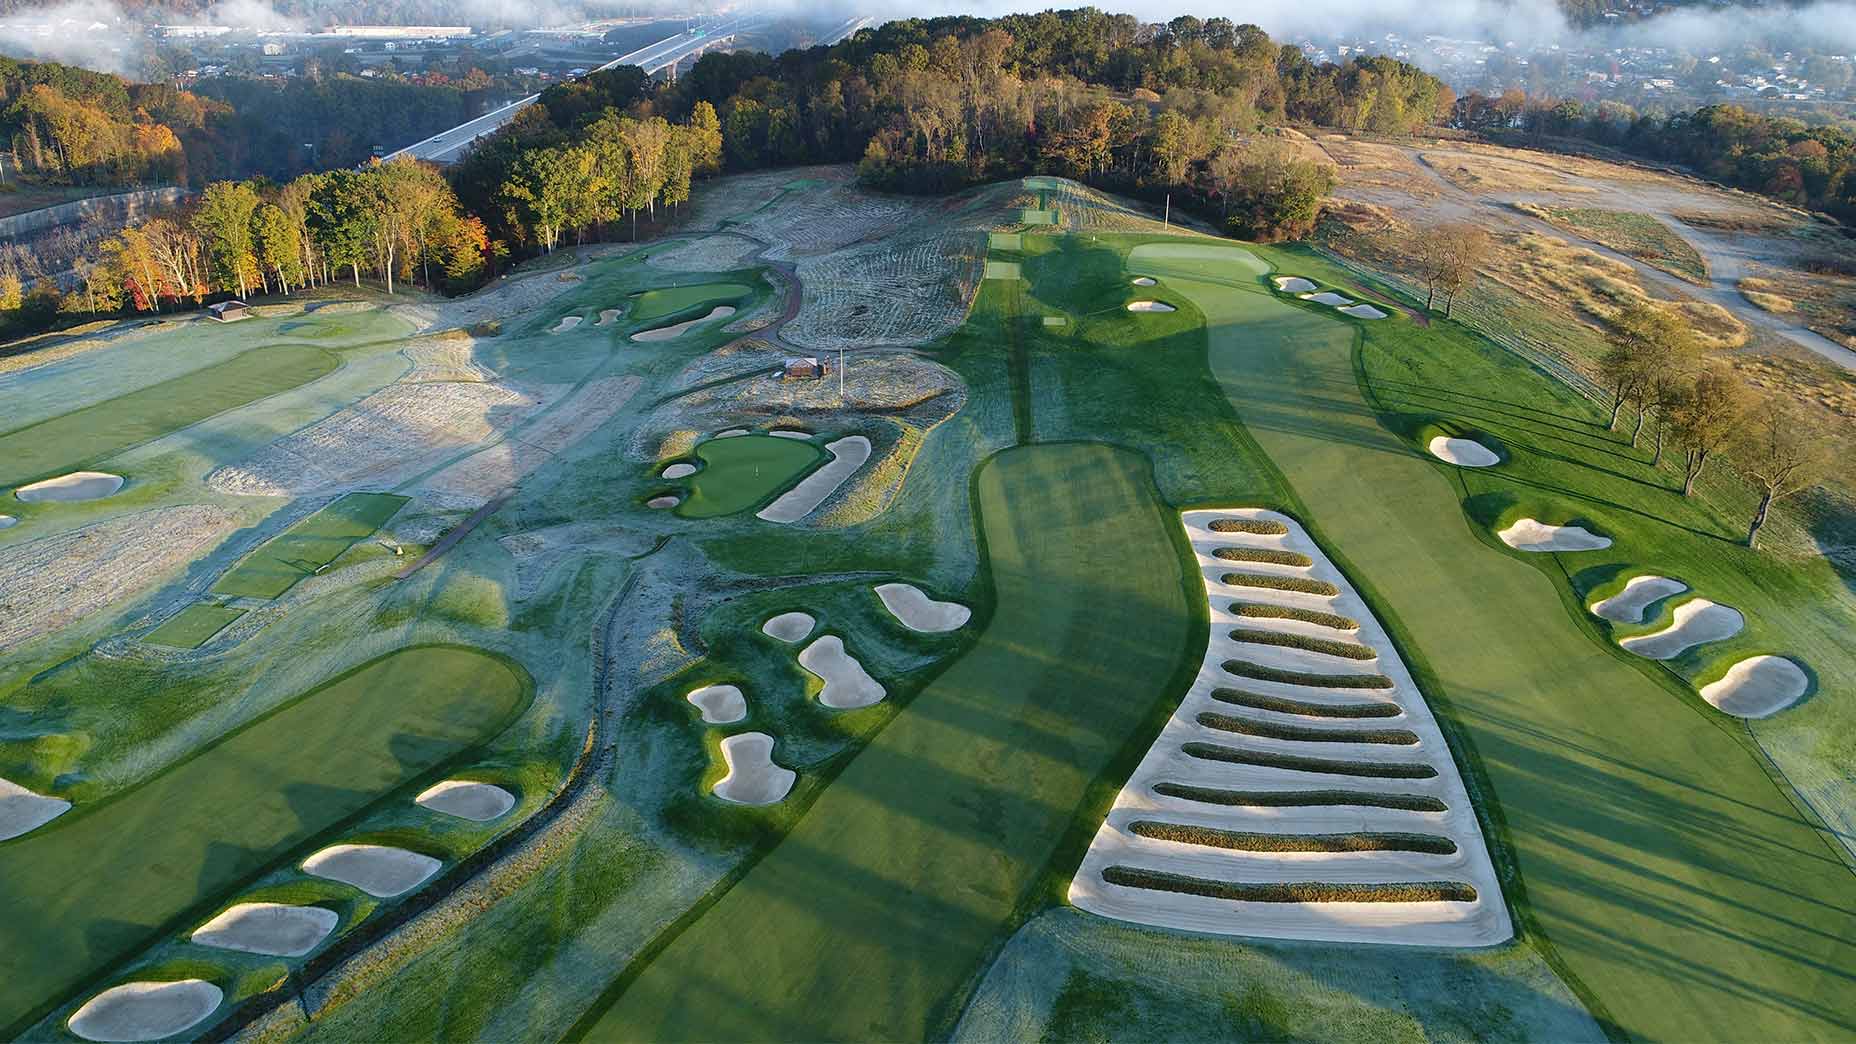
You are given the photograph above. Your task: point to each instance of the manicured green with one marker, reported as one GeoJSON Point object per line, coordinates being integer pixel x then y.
{"type": "Point", "coordinates": [672, 300]}
{"type": "Point", "coordinates": [192, 626]}
{"type": "Point", "coordinates": [105, 880]}
{"type": "Point", "coordinates": [1658, 859]}
{"type": "Point", "coordinates": [70, 441]}
{"type": "Point", "coordinates": [299, 551]}
{"type": "Point", "coordinates": [865, 921]}
{"type": "Point", "coordinates": [746, 471]}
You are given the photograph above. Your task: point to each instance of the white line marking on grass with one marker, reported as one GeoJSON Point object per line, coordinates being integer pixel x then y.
{"type": "Point", "coordinates": [847, 455]}
{"type": "Point", "coordinates": [272, 929]}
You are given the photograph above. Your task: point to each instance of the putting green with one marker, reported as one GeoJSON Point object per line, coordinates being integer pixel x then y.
{"type": "Point", "coordinates": [105, 880]}
{"type": "Point", "coordinates": [745, 472]}
{"type": "Point", "coordinates": [670, 300]}
{"type": "Point", "coordinates": [864, 922]}
{"type": "Point", "coordinates": [1034, 216]}
{"type": "Point", "coordinates": [192, 626]}
{"type": "Point", "coordinates": [309, 545]}
{"type": "Point", "coordinates": [1214, 262]}
{"type": "Point", "coordinates": [1005, 241]}
{"type": "Point", "coordinates": [1658, 857]}
{"type": "Point", "coordinates": [71, 440]}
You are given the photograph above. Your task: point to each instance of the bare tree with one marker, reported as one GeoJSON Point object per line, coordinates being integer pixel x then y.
{"type": "Point", "coordinates": [1466, 250]}
{"type": "Point", "coordinates": [1704, 420]}
{"type": "Point", "coordinates": [1782, 451]}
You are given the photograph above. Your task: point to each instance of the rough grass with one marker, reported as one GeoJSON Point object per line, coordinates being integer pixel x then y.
{"type": "Point", "coordinates": [1252, 841]}
{"type": "Point", "coordinates": [1298, 763]}
{"type": "Point", "coordinates": [1256, 526]}
{"type": "Point", "coordinates": [299, 551]}
{"type": "Point", "coordinates": [1301, 798]}
{"type": "Point", "coordinates": [1636, 235]}
{"type": "Point", "coordinates": [1291, 640]}
{"type": "Point", "coordinates": [1764, 294]}
{"type": "Point", "coordinates": [1284, 705]}
{"type": "Point", "coordinates": [1263, 672]}
{"type": "Point", "coordinates": [1268, 555]}
{"type": "Point", "coordinates": [1305, 734]}
{"type": "Point", "coordinates": [1262, 611]}
{"type": "Point", "coordinates": [1292, 891]}
{"type": "Point", "coordinates": [1300, 584]}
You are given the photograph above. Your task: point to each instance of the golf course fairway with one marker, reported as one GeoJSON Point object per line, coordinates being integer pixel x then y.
{"type": "Point", "coordinates": [106, 880]}
{"type": "Point", "coordinates": [1658, 858]}
{"type": "Point", "coordinates": [865, 921]}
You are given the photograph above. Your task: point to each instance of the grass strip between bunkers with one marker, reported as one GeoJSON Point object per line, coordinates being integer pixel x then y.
{"type": "Point", "coordinates": [299, 551]}
{"type": "Point", "coordinates": [68, 441]}
{"type": "Point", "coordinates": [106, 880]}
{"type": "Point", "coordinates": [865, 921]}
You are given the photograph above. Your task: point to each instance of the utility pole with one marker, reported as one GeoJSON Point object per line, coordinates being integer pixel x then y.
{"type": "Point", "coordinates": [1167, 221]}
{"type": "Point", "coordinates": [840, 375]}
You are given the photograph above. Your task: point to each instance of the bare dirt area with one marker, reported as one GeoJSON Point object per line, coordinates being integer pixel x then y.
{"type": "Point", "coordinates": [52, 582]}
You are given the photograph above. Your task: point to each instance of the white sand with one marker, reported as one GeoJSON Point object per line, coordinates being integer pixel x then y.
{"type": "Point", "coordinates": [789, 433]}
{"type": "Point", "coordinates": [146, 1010]}
{"type": "Point", "coordinates": [1628, 605]}
{"type": "Point", "coordinates": [78, 485]}
{"type": "Point", "coordinates": [608, 316]}
{"type": "Point", "coordinates": [8, 521]}
{"type": "Point", "coordinates": [1529, 535]}
{"type": "Point", "coordinates": [847, 684]}
{"type": "Point", "coordinates": [1757, 687]}
{"type": "Point", "coordinates": [23, 811]}
{"type": "Point", "coordinates": [1364, 311]}
{"type": "Point", "coordinates": [732, 433]}
{"type": "Point", "coordinates": [1328, 297]}
{"type": "Point", "coordinates": [677, 471]}
{"type": "Point", "coordinates": [375, 869]}
{"type": "Point", "coordinates": [1143, 280]}
{"type": "Point", "coordinates": [467, 799]}
{"type": "Point", "coordinates": [665, 333]}
{"type": "Point", "coordinates": [660, 503]}
{"type": "Point", "coordinates": [273, 929]}
{"type": "Point", "coordinates": [753, 778]}
{"type": "Point", "coordinates": [720, 704]}
{"type": "Point", "coordinates": [1696, 622]}
{"type": "Point", "coordinates": [567, 322]}
{"type": "Point", "coordinates": [1055, 321]}
{"type": "Point", "coordinates": [1482, 922]}
{"type": "Point", "coordinates": [918, 612]}
{"type": "Point", "coordinates": [789, 627]}
{"type": "Point", "coordinates": [847, 455]}
{"type": "Point", "coordinates": [1467, 453]}
{"type": "Point", "coordinates": [1150, 306]}
{"type": "Point", "coordinates": [1294, 284]}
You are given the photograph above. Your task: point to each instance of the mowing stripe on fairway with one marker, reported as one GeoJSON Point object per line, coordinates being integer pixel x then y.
{"type": "Point", "coordinates": [103, 881]}
{"type": "Point", "coordinates": [299, 551]}
{"type": "Point", "coordinates": [68, 441]}
{"type": "Point", "coordinates": [867, 919]}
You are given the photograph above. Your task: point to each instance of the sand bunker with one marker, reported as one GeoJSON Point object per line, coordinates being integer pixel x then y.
{"type": "Point", "coordinates": [1364, 311]}
{"type": "Point", "coordinates": [23, 811]}
{"type": "Point", "coordinates": [918, 612]}
{"type": "Point", "coordinates": [273, 929]}
{"type": "Point", "coordinates": [146, 1010]}
{"type": "Point", "coordinates": [1628, 605]}
{"type": "Point", "coordinates": [677, 471]}
{"type": "Point", "coordinates": [1757, 687]}
{"type": "Point", "coordinates": [720, 704]}
{"type": "Point", "coordinates": [566, 323]}
{"type": "Point", "coordinates": [789, 627]}
{"type": "Point", "coordinates": [1529, 535]}
{"type": "Point", "coordinates": [662, 503]}
{"type": "Point", "coordinates": [1150, 306]}
{"type": "Point", "coordinates": [732, 433]}
{"type": "Point", "coordinates": [608, 316]}
{"type": "Point", "coordinates": [1328, 297]}
{"type": "Point", "coordinates": [789, 433]}
{"type": "Point", "coordinates": [1294, 284]}
{"type": "Point", "coordinates": [847, 684]}
{"type": "Point", "coordinates": [8, 521]}
{"type": "Point", "coordinates": [467, 799]}
{"type": "Point", "coordinates": [78, 485]}
{"type": "Point", "coordinates": [375, 869]}
{"type": "Point", "coordinates": [1696, 622]}
{"type": "Point", "coordinates": [847, 455]}
{"type": "Point", "coordinates": [665, 333]}
{"type": "Point", "coordinates": [1467, 453]}
{"type": "Point", "coordinates": [1144, 280]}
{"type": "Point", "coordinates": [753, 778]}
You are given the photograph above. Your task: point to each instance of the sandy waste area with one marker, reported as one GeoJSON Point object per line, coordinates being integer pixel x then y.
{"type": "Point", "coordinates": [1179, 786]}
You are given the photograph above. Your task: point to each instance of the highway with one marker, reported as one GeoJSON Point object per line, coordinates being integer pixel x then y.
{"type": "Point", "coordinates": [448, 146]}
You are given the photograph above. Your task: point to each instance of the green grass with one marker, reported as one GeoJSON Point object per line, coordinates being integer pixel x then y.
{"type": "Point", "coordinates": [916, 858]}
{"type": "Point", "coordinates": [674, 300]}
{"type": "Point", "coordinates": [299, 551]}
{"type": "Point", "coordinates": [70, 441]}
{"type": "Point", "coordinates": [1627, 232]}
{"type": "Point", "coordinates": [1656, 856]}
{"type": "Point", "coordinates": [231, 810]}
{"type": "Point", "coordinates": [192, 626]}
{"type": "Point", "coordinates": [745, 472]}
